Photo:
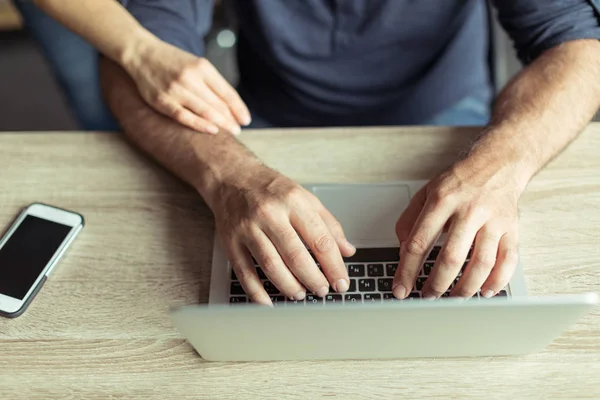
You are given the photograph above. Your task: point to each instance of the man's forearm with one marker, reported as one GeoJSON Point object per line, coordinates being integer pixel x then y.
{"type": "Point", "coordinates": [543, 108]}
{"type": "Point", "coordinates": [201, 160]}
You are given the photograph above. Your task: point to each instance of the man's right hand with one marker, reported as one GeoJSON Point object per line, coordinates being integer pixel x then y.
{"type": "Point", "coordinates": [267, 215]}
{"type": "Point", "coordinates": [186, 88]}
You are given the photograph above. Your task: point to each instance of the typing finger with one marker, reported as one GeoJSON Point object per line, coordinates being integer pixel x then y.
{"type": "Point", "coordinates": [244, 269]}
{"type": "Point", "coordinates": [316, 235]}
{"type": "Point", "coordinates": [480, 265]}
{"type": "Point", "coordinates": [346, 248]}
{"type": "Point", "coordinates": [271, 255]}
{"type": "Point", "coordinates": [451, 257]}
{"type": "Point", "coordinates": [416, 247]}
{"type": "Point", "coordinates": [506, 262]}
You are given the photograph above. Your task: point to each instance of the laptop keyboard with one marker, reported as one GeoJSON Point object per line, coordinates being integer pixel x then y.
{"type": "Point", "coordinates": [371, 272]}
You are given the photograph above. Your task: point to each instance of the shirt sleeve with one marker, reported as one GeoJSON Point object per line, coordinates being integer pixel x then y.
{"type": "Point", "coordinates": [537, 25]}
{"type": "Point", "coordinates": [182, 23]}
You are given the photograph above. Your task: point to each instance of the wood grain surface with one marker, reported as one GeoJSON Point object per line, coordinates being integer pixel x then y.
{"type": "Point", "coordinates": [99, 328]}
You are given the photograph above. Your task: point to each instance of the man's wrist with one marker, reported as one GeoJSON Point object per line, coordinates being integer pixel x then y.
{"type": "Point", "coordinates": [228, 164]}
{"type": "Point", "coordinates": [502, 150]}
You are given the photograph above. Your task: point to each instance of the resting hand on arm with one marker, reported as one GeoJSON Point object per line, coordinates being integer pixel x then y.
{"type": "Point", "coordinates": [257, 211]}
{"type": "Point", "coordinates": [174, 82]}
{"type": "Point", "coordinates": [539, 113]}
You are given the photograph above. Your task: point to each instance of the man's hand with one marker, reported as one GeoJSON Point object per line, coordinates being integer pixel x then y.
{"type": "Point", "coordinates": [477, 203]}
{"type": "Point", "coordinates": [268, 216]}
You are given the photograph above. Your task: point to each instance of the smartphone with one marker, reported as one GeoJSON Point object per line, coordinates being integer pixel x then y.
{"type": "Point", "coordinates": [29, 252]}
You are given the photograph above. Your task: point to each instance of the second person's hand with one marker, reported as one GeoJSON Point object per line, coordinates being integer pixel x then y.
{"type": "Point", "coordinates": [187, 88]}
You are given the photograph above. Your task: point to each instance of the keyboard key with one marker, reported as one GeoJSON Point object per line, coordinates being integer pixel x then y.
{"type": "Point", "coordinates": [427, 267]}
{"type": "Point", "coordinates": [352, 287]}
{"type": "Point", "coordinates": [502, 293]}
{"type": "Point", "coordinates": [434, 253]}
{"type": "Point", "coordinates": [384, 284]}
{"type": "Point", "coordinates": [372, 297]}
{"type": "Point", "coordinates": [414, 295]}
{"type": "Point", "coordinates": [333, 298]}
{"type": "Point", "coordinates": [353, 298]}
{"type": "Point", "coordinates": [313, 299]}
{"type": "Point", "coordinates": [238, 299]}
{"type": "Point", "coordinates": [389, 297]}
{"type": "Point", "coordinates": [278, 301]}
{"type": "Point", "coordinates": [270, 288]}
{"type": "Point", "coordinates": [236, 288]}
{"type": "Point", "coordinates": [355, 270]}
{"type": "Point", "coordinates": [375, 269]}
{"type": "Point", "coordinates": [294, 302]}
{"type": "Point", "coordinates": [446, 294]}
{"type": "Point", "coordinates": [260, 273]}
{"type": "Point", "coordinates": [390, 269]}
{"type": "Point", "coordinates": [420, 283]}
{"type": "Point", "coordinates": [366, 285]}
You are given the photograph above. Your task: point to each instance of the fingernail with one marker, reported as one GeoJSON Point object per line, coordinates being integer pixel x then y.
{"type": "Point", "coordinates": [236, 130]}
{"type": "Point", "coordinates": [488, 293]}
{"type": "Point", "coordinates": [299, 296]}
{"type": "Point", "coordinates": [213, 129]}
{"type": "Point", "coordinates": [429, 296]}
{"type": "Point", "coordinates": [399, 291]}
{"type": "Point", "coordinates": [246, 120]}
{"type": "Point", "coordinates": [341, 286]}
{"type": "Point", "coordinates": [322, 292]}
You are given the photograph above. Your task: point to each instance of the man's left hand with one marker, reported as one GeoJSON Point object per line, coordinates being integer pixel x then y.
{"type": "Point", "coordinates": [476, 202]}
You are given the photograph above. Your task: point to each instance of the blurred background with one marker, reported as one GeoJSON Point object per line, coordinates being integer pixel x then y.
{"type": "Point", "coordinates": [31, 100]}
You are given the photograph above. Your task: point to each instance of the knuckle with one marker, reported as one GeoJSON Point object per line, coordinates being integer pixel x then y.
{"type": "Point", "coordinates": [294, 195]}
{"type": "Point", "coordinates": [296, 257]}
{"type": "Point", "coordinates": [172, 87]}
{"type": "Point", "coordinates": [202, 62]}
{"type": "Point", "coordinates": [179, 114]}
{"type": "Point", "coordinates": [441, 197]}
{"type": "Point", "coordinates": [416, 246]}
{"type": "Point", "coordinates": [265, 210]}
{"type": "Point", "coordinates": [187, 73]}
{"type": "Point", "coordinates": [449, 259]}
{"type": "Point", "coordinates": [483, 261]}
{"type": "Point", "coordinates": [477, 208]}
{"type": "Point", "coordinates": [324, 243]}
{"type": "Point", "coordinates": [160, 99]}
{"type": "Point", "coordinates": [269, 264]}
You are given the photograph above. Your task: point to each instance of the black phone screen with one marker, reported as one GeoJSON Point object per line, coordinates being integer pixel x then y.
{"type": "Point", "coordinates": [26, 253]}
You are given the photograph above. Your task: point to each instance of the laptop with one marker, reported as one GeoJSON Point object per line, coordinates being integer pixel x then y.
{"type": "Point", "coordinates": [368, 322]}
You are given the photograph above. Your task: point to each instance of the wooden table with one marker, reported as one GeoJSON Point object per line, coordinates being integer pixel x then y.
{"type": "Point", "coordinates": [99, 328]}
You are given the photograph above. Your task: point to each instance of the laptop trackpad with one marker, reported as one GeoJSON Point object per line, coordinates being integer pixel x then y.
{"type": "Point", "coordinates": [368, 213]}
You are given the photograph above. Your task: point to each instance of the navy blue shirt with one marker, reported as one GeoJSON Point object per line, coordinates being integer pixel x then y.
{"type": "Point", "coordinates": [367, 62]}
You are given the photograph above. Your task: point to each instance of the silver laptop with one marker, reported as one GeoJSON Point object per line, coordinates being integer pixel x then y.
{"type": "Point", "coordinates": [368, 321]}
